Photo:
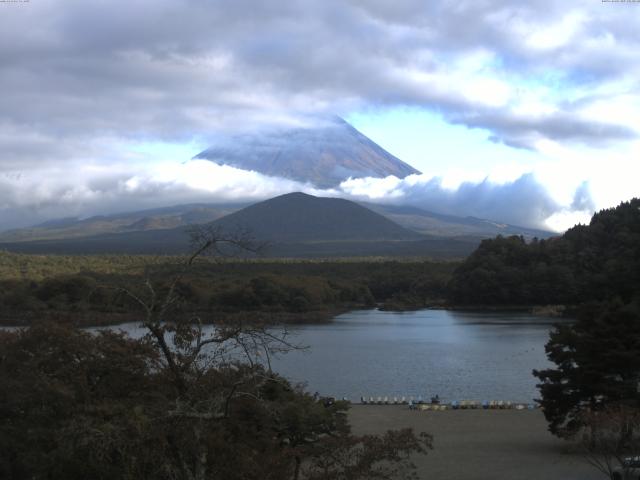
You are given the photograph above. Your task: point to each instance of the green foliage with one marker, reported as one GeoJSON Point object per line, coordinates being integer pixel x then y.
{"type": "Point", "coordinates": [595, 262]}
{"type": "Point", "coordinates": [595, 267]}
{"type": "Point", "coordinates": [67, 398]}
{"type": "Point", "coordinates": [38, 267]}
{"type": "Point", "coordinates": [177, 403]}
{"type": "Point", "coordinates": [597, 365]}
{"type": "Point", "coordinates": [216, 288]}
{"type": "Point", "coordinates": [75, 405]}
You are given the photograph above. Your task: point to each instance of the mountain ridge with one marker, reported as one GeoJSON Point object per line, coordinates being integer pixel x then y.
{"type": "Point", "coordinates": [295, 225]}
{"type": "Point", "coordinates": [137, 220]}
{"type": "Point", "coordinates": [410, 217]}
{"type": "Point", "coordinates": [438, 224]}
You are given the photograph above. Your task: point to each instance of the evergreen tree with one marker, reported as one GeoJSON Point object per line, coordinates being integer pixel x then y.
{"type": "Point", "coordinates": [597, 365]}
{"type": "Point", "coordinates": [598, 261]}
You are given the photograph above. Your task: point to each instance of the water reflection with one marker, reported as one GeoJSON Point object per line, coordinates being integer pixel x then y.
{"type": "Point", "coordinates": [455, 354]}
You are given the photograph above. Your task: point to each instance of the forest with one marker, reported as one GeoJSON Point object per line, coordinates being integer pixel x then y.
{"type": "Point", "coordinates": [80, 405]}
{"type": "Point", "coordinates": [88, 289]}
{"type": "Point", "coordinates": [177, 403]}
{"type": "Point", "coordinates": [591, 393]}
{"type": "Point", "coordinates": [595, 262]}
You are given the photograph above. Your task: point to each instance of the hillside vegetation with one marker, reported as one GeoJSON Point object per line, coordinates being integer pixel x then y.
{"type": "Point", "coordinates": [599, 261]}
{"type": "Point", "coordinates": [88, 289]}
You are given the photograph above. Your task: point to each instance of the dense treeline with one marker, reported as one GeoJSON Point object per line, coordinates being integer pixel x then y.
{"type": "Point", "coordinates": [597, 365]}
{"type": "Point", "coordinates": [76, 405]}
{"type": "Point", "coordinates": [283, 289]}
{"type": "Point", "coordinates": [181, 402]}
{"type": "Point", "coordinates": [596, 269]}
{"type": "Point", "coordinates": [599, 261]}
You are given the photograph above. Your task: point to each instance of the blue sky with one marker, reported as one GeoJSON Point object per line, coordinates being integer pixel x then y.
{"type": "Point", "coordinates": [530, 106]}
{"type": "Point", "coordinates": [425, 140]}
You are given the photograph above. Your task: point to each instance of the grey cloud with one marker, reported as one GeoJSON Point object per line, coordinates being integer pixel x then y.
{"type": "Point", "coordinates": [523, 202]}
{"type": "Point", "coordinates": [81, 79]}
{"type": "Point", "coordinates": [24, 201]}
{"type": "Point", "coordinates": [582, 200]}
{"type": "Point", "coordinates": [78, 191]}
{"type": "Point", "coordinates": [172, 70]}
{"type": "Point", "coordinates": [522, 131]}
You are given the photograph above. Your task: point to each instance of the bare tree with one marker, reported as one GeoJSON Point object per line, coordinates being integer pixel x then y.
{"type": "Point", "coordinates": [218, 371]}
{"type": "Point", "coordinates": [610, 440]}
{"type": "Point", "coordinates": [189, 354]}
{"type": "Point", "coordinates": [385, 457]}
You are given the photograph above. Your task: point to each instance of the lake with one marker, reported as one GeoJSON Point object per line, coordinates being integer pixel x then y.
{"type": "Point", "coordinates": [457, 355]}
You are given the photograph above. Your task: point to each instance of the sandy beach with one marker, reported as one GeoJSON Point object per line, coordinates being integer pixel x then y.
{"type": "Point", "coordinates": [481, 444]}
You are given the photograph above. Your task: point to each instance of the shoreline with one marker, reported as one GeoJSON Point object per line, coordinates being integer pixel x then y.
{"type": "Point", "coordinates": [87, 319]}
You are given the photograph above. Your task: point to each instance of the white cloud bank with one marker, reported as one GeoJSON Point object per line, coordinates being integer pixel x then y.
{"type": "Point", "coordinates": [26, 199]}
{"type": "Point", "coordinates": [83, 79]}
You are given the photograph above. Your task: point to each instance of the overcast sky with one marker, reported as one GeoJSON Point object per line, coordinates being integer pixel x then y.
{"type": "Point", "coordinates": [527, 112]}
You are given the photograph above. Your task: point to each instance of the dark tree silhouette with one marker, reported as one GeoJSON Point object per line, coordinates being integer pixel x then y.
{"type": "Point", "coordinates": [181, 403]}
{"type": "Point", "coordinates": [598, 261]}
{"type": "Point", "coordinates": [597, 365]}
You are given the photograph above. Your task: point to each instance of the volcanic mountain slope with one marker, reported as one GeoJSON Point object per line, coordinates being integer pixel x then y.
{"type": "Point", "coordinates": [294, 225]}
{"type": "Point", "coordinates": [410, 218]}
{"type": "Point", "coordinates": [323, 155]}
{"type": "Point", "coordinates": [153, 219]}
{"type": "Point", "coordinates": [437, 224]}
{"type": "Point", "coordinates": [298, 217]}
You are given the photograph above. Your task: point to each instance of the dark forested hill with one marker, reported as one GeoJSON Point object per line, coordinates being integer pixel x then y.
{"type": "Point", "coordinates": [589, 262]}
{"type": "Point", "coordinates": [294, 225]}
{"type": "Point", "coordinates": [298, 217]}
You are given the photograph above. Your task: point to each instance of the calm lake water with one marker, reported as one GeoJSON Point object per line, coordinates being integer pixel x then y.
{"type": "Point", "coordinates": [457, 355]}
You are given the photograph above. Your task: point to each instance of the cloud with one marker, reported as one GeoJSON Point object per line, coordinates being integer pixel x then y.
{"type": "Point", "coordinates": [524, 132]}
{"type": "Point", "coordinates": [176, 69]}
{"type": "Point", "coordinates": [579, 211]}
{"type": "Point", "coordinates": [83, 81]}
{"type": "Point", "coordinates": [582, 200]}
{"type": "Point", "coordinates": [523, 201]}
{"type": "Point", "coordinates": [27, 199]}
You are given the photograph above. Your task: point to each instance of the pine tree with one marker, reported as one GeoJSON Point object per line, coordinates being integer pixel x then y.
{"type": "Point", "coordinates": [597, 365]}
